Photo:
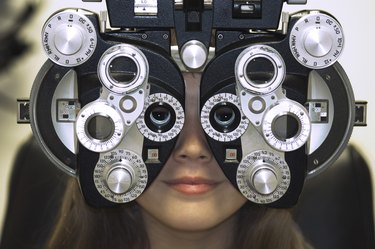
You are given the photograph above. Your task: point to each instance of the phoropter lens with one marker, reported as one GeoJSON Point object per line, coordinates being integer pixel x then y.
{"type": "Point", "coordinates": [285, 127]}
{"type": "Point", "coordinates": [100, 127]}
{"type": "Point", "coordinates": [160, 117]}
{"type": "Point", "coordinates": [225, 117]}
{"type": "Point", "coordinates": [123, 70]}
{"type": "Point", "coordinates": [260, 71]}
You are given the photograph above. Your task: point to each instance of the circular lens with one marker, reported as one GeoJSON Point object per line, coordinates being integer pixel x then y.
{"type": "Point", "coordinates": [160, 117]}
{"type": "Point", "coordinates": [285, 127]}
{"type": "Point", "coordinates": [260, 71]}
{"type": "Point", "coordinates": [225, 117]}
{"type": "Point", "coordinates": [100, 127]}
{"type": "Point", "coordinates": [123, 70]}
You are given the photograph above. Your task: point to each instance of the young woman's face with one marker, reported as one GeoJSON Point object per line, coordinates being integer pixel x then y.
{"type": "Point", "coordinates": [191, 193]}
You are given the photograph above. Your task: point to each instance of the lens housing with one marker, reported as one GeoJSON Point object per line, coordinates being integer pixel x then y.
{"type": "Point", "coordinates": [162, 119]}
{"type": "Point", "coordinates": [286, 126]}
{"type": "Point", "coordinates": [99, 127]}
{"type": "Point", "coordinates": [123, 68]}
{"type": "Point", "coordinates": [225, 117]}
{"type": "Point", "coordinates": [222, 119]}
{"type": "Point", "coordinates": [260, 69]}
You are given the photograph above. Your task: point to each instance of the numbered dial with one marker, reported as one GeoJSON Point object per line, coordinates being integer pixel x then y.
{"type": "Point", "coordinates": [286, 126]}
{"type": "Point", "coordinates": [162, 119]}
{"type": "Point", "coordinates": [222, 119]}
{"type": "Point", "coordinates": [69, 38]}
{"type": "Point", "coordinates": [99, 127]}
{"type": "Point", "coordinates": [316, 40]}
{"type": "Point", "coordinates": [263, 177]}
{"type": "Point", "coordinates": [120, 176]}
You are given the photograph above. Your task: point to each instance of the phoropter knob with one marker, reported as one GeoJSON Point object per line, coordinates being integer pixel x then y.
{"type": "Point", "coordinates": [69, 38]}
{"type": "Point", "coordinates": [120, 176]}
{"type": "Point", "coordinates": [120, 179]}
{"type": "Point", "coordinates": [264, 181]}
{"type": "Point", "coordinates": [263, 177]}
{"type": "Point", "coordinates": [316, 40]}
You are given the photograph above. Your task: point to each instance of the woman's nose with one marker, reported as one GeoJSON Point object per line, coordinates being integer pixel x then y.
{"type": "Point", "coordinates": [192, 143]}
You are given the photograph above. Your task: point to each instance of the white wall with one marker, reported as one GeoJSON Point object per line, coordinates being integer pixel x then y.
{"type": "Point", "coordinates": [357, 59]}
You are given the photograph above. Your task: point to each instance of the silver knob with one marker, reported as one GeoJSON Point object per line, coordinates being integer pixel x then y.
{"type": "Point", "coordinates": [119, 180]}
{"type": "Point", "coordinates": [194, 54]}
{"type": "Point", "coordinates": [316, 40]}
{"type": "Point", "coordinates": [68, 40]}
{"type": "Point", "coordinates": [69, 37]}
{"type": "Point", "coordinates": [263, 176]}
{"type": "Point", "coordinates": [120, 176]}
{"type": "Point", "coordinates": [264, 181]}
{"type": "Point", "coordinates": [318, 43]}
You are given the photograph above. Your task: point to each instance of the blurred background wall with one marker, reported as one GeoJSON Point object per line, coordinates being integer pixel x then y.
{"type": "Point", "coordinates": [17, 75]}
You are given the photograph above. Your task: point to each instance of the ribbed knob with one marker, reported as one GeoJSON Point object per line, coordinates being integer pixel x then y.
{"type": "Point", "coordinates": [68, 40]}
{"type": "Point", "coordinates": [119, 180]}
{"type": "Point", "coordinates": [318, 43]}
{"type": "Point", "coordinates": [264, 181]}
{"type": "Point", "coordinates": [194, 54]}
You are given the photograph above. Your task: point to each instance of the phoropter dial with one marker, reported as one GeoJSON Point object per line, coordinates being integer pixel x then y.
{"type": "Point", "coordinates": [263, 177]}
{"type": "Point", "coordinates": [260, 69]}
{"type": "Point", "coordinates": [162, 118]}
{"type": "Point", "coordinates": [123, 68]}
{"type": "Point", "coordinates": [120, 176]}
{"type": "Point", "coordinates": [99, 127]}
{"type": "Point", "coordinates": [316, 40]}
{"type": "Point", "coordinates": [69, 38]}
{"type": "Point", "coordinates": [286, 126]}
{"type": "Point", "coordinates": [222, 119]}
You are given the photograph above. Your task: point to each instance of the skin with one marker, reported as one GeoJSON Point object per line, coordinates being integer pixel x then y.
{"type": "Point", "coordinates": [191, 204]}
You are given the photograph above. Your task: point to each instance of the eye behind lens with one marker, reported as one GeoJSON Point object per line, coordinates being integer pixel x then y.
{"type": "Point", "coordinates": [222, 118]}
{"type": "Point", "coordinates": [225, 117]}
{"type": "Point", "coordinates": [160, 117]}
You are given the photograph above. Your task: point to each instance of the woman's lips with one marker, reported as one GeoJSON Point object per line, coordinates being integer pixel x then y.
{"type": "Point", "coordinates": [192, 185]}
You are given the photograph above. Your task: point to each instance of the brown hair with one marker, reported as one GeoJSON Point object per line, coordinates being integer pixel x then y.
{"type": "Point", "coordinates": [82, 227]}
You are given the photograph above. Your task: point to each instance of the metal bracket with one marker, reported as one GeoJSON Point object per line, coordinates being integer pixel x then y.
{"type": "Point", "coordinates": [360, 113]}
{"type": "Point", "coordinates": [23, 111]}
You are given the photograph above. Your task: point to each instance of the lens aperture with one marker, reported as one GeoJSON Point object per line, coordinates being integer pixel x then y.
{"type": "Point", "coordinates": [161, 117]}
{"type": "Point", "coordinates": [100, 127]}
{"type": "Point", "coordinates": [123, 70]}
{"type": "Point", "coordinates": [285, 127]}
{"type": "Point", "coordinates": [225, 117]}
{"type": "Point", "coordinates": [260, 71]}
